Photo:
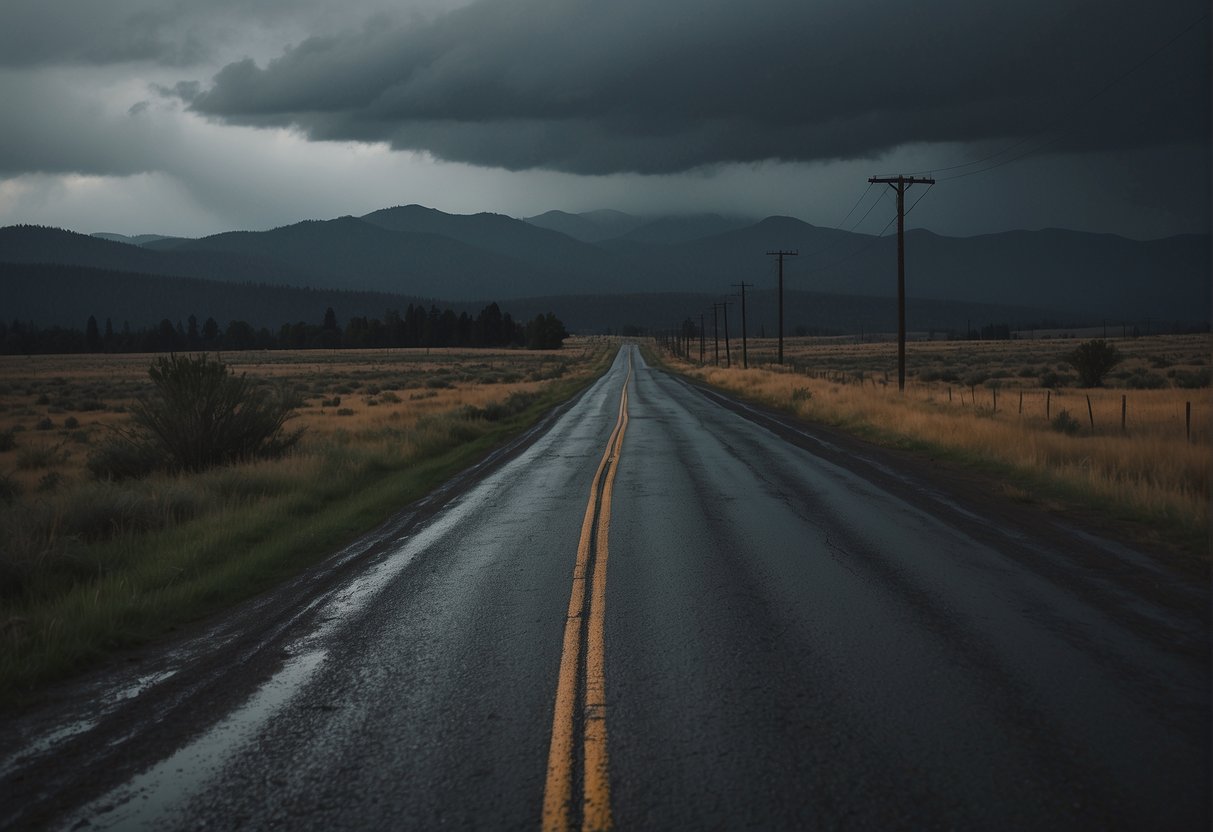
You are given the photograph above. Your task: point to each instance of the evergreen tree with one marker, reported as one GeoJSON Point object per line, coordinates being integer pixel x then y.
{"type": "Point", "coordinates": [92, 336]}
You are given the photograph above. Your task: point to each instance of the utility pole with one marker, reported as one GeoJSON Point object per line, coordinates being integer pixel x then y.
{"type": "Point", "coordinates": [702, 331]}
{"type": "Point", "coordinates": [781, 255]}
{"type": "Point", "coordinates": [728, 356]}
{"type": "Point", "coordinates": [899, 184]}
{"type": "Point", "coordinates": [716, 335]}
{"type": "Point", "coordinates": [745, 358]}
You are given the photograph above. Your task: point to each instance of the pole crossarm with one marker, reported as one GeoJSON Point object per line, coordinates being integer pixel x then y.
{"type": "Point", "coordinates": [901, 180]}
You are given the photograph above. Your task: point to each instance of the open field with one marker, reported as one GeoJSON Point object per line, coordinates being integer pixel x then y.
{"type": "Point", "coordinates": [1011, 406]}
{"type": "Point", "coordinates": [87, 566]}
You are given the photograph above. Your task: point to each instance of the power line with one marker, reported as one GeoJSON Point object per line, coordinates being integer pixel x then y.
{"type": "Point", "coordinates": [920, 196]}
{"type": "Point", "coordinates": [840, 238]}
{"type": "Point", "coordinates": [859, 251]}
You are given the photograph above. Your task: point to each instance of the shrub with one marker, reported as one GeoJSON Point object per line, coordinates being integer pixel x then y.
{"type": "Point", "coordinates": [1063, 422]}
{"type": "Point", "coordinates": [10, 489]}
{"type": "Point", "coordinates": [71, 423]}
{"type": "Point", "coordinates": [1183, 379]}
{"type": "Point", "coordinates": [123, 458]}
{"type": "Point", "coordinates": [34, 457]}
{"type": "Point", "coordinates": [1145, 381]}
{"type": "Point", "coordinates": [8, 440]}
{"type": "Point", "coordinates": [200, 415]}
{"type": "Point", "coordinates": [1052, 380]}
{"type": "Point", "coordinates": [44, 424]}
{"type": "Point", "coordinates": [1094, 360]}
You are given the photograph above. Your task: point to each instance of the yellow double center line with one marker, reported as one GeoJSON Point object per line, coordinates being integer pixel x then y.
{"type": "Point", "coordinates": [596, 786]}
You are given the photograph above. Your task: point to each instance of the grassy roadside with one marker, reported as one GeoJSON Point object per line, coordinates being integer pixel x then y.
{"type": "Point", "coordinates": [1148, 485]}
{"type": "Point", "coordinates": [98, 567]}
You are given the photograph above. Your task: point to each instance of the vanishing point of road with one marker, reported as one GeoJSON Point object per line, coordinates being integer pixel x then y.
{"type": "Point", "coordinates": [660, 610]}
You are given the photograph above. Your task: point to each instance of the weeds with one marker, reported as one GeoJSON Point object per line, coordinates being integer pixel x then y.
{"type": "Point", "coordinates": [1151, 469]}
{"type": "Point", "coordinates": [87, 566]}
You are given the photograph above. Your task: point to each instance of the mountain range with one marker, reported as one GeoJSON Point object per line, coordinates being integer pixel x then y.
{"type": "Point", "coordinates": [410, 252]}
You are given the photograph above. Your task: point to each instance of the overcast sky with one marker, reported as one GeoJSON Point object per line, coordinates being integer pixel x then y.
{"type": "Point", "coordinates": [191, 117]}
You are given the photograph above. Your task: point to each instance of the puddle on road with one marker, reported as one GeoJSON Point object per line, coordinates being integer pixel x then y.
{"type": "Point", "coordinates": [50, 739]}
{"type": "Point", "coordinates": [144, 802]}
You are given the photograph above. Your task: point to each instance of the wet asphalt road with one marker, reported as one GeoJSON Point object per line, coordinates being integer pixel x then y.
{"type": "Point", "coordinates": [795, 638]}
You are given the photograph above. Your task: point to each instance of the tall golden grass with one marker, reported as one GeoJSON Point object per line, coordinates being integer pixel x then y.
{"type": "Point", "coordinates": [1156, 469]}
{"type": "Point", "coordinates": [88, 565]}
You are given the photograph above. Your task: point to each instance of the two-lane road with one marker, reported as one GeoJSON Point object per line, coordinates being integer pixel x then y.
{"type": "Point", "coordinates": [669, 613]}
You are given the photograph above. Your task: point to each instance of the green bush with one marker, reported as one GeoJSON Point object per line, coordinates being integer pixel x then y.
{"type": "Point", "coordinates": [126, 457]}
{"type": "Point", "coordinates": [1063, 422]}
{"type": "Point", "coordinates": [1183, 380]}
{"type": "Point", "coordinates": [1094, 360]}
{"type": "Point", "coordinates": [197, 416]}
{"type": "Point", "coordinates": [1144, 380]}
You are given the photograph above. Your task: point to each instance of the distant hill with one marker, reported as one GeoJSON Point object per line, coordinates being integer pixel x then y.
{"type": "Point", "coordinates": [538, 247]}
{"type": "Point", "coordinates": [139, 240]}
{"type": "Point", "coordinates": [683, 229]}
{"type": "Point", "coordinates": [420, 252]}
{"type": "Point", "coordinates": [589, 227]}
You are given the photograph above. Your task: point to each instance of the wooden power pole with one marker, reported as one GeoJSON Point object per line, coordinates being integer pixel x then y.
{"type": "Point", "coordinates": [716, 334]}
{"type": "Point", "coordinates": [728, 356]}
{"type": "Point", "coordinates": [745, 360]}
{"type": "Point", "coordinates": [899, 184]}
{"type": "Point", "coordinates": [781, 255]}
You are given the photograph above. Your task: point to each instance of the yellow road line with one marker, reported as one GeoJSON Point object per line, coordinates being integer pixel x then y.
{"type": "Point", "coordinates": [558, 791]}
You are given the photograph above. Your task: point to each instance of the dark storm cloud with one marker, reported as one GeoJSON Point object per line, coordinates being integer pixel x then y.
{"type": "Point", "coordinates": [40, 33]}
{"type": "Point", "coordinates": [594, 87]}
{"type": "Point", "coordinates": [55, 32]}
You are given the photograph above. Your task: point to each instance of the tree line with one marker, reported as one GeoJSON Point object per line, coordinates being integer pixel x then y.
{"type": "Point", "coordinates": [416, 327]}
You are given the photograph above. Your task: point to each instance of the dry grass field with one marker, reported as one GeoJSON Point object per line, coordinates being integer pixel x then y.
{"type": "Point", "coordinates": [87, 565]}
{"type": "Point", "coordinates": [1013, 405]}
{"type": "Point", "coordinates": [55, 409]}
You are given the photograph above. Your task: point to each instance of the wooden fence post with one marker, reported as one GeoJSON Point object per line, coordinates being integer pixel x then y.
{"type": "Point", "coordinates": [1188, 420]}
{"type": "Point", "coordinates": [1090, 413]}
{"type": "Point", "coordinates": [1123, 409]}
{"type": "Point", "coordinates": [1048, 405]}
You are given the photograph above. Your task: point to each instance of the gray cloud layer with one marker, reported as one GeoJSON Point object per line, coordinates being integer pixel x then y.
{"type": "Point", "coordinates": [632, 85]}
